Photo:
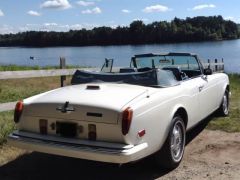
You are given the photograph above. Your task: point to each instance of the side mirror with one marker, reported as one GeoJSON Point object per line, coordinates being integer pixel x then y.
{"type": "Point", "coordinates": [207, 71]}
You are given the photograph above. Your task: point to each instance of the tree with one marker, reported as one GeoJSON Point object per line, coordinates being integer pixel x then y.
{"type": "Point", "coordinates": [199, 28]}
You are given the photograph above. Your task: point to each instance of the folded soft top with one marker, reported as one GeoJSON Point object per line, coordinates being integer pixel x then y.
{"type": "Point", "coordinates": [154, 77]}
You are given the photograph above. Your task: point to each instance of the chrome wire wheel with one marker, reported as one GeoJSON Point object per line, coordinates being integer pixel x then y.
{"type": "Point", "coordinates": [170, 155]}
{"type": "Point", "coordinates": [177, 141]}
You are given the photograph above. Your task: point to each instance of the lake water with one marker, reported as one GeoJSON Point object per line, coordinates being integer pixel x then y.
{"type": "Point", "coordinates": [95, 55]}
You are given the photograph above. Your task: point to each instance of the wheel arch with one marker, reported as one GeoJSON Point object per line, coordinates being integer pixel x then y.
{"type": "Point", "coordinates": [181, 111]}
{"type": "Point", "coordinates": [227, 88]}
{"type": "Point", "coordinates": [226, 85]}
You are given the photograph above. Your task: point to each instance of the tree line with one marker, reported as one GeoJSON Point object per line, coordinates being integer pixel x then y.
{"type": "Point", "coordinates": [194, 29]}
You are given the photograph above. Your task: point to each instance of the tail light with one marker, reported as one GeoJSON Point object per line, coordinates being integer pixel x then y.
{"type": "Point", "coordinates": [18, 111]}
{"type": "Point", "coordinates": [126, 120]}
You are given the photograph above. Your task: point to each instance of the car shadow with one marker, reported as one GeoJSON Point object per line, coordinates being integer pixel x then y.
{"type": "Point", "coordinates": [194, 132]}
{"type": "Point", "coordinates": [39, 166]}
{"type": "Point", "coordinates": [44, 166]}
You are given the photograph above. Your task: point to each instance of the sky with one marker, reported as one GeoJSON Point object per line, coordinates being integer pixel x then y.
{"type": "Point", "coordinates": [63, 15]}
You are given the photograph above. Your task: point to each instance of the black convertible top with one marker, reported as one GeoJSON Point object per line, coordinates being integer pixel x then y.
{"type": "Point", "coordinates": [153, 78]}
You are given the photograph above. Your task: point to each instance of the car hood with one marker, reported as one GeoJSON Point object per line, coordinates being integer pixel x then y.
{"type": "Point", "coordinates": [107, 96]}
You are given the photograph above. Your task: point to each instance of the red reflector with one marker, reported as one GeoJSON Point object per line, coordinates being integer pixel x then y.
{"type": "Point", "coordinates": [43, 124]}
{"type": "Point", "coordinates": [141, 133]}
{"type": "Point", "coordinates": [18, 111]}
{"type": "Point", "coordinates": [92, 132]}
{"type": "Point", "coordinates": [92, 136]}
{"type": "Point", "coordinates": [126, 120]}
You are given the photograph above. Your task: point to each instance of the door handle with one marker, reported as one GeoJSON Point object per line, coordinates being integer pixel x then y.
{"type": "Point", "coordinates": [200, 88]}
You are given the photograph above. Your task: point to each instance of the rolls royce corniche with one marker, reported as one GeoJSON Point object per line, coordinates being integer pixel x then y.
{"type": "Point", "coordinates": [121, 117]}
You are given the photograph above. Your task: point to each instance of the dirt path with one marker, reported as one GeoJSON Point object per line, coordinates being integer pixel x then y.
{"type": "Point", "coordinates": [210, 155]}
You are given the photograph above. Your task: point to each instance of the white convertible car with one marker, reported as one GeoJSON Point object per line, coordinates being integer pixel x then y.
{"type": "Point", "coordinates": [121, 117]}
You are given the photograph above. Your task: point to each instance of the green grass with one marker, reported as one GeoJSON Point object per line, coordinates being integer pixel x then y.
{"type": "Point", "coordinates": [24, 68]}
{"type": "Point", "coordinates": [16, 89]}
{"type": "Point", "coordinates": [6, 125]}
{"type": "Point", "coordinates": [232, 122]}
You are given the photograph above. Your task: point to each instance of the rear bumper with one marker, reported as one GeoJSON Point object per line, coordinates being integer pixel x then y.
{"type": "Point", "coordinates": [96, 151]}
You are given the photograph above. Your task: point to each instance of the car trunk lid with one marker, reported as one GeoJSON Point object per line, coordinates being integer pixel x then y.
{"type": "Point", "coordinates": [87, 102]}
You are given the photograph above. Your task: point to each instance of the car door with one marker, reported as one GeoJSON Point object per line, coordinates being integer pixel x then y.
{"type": "Point", "coordinates": [208, 94]}
{"type": "Point", "coordinates": [190, 87]}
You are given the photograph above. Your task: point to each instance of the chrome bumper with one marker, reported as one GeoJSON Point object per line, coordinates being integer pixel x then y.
{"type": "Point", "coordinates": [96, 151]}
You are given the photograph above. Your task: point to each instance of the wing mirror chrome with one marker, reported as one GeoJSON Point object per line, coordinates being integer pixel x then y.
{"type": "Point", "coordinates": [207, 71]}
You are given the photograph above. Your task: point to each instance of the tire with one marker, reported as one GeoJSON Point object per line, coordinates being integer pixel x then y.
{"type": "Point", "coordinates": [224, 107]}
{"type": "Point", "coordinates": [170, 155]}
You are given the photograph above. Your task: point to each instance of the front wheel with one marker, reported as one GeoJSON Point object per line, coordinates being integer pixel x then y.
{"type": "Point", "coordinates": [224, 107]}
{"type": "Point", "coordinates": [171, 154]}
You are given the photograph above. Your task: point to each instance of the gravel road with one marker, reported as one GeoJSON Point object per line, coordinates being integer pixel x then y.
{"type": "Point", "coordinates": [208, 155]}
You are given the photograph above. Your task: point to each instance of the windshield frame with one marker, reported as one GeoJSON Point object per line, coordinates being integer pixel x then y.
{"type": "Point", "coordinates": [152, 64]}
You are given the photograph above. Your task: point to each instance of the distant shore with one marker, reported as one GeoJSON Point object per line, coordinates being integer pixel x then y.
{"type": "Point", "coordinates": [196, 29]}
{"type": "Point", "coordinates": [92, 45]}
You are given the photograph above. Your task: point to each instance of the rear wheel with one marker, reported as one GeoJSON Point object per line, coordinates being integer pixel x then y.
{"type": "Point", "coordinates": [172, 151]}
{"type": "Point", "coordinates": [224, 107]}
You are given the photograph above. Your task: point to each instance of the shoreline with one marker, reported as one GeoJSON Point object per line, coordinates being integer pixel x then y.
{"type": "Point", "coordinates": [114, 45]}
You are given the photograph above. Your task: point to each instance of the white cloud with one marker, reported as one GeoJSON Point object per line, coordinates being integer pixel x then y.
{"type": "Point", "coordinates": [85, 3]}
{"type": "Point", "coordinates": [1, 13]}
{"type": "Point", "coordinates": [156, 8]}
{"type": "Point", "coordinates": [56, 4]}
{"type": "Point", "coordinates": [114, 26]}
{"type": "Point", "coordinates": [203, 6]}
{"type": "Point", "coordinates": [126, 11]}
{"type": "Point", "coordinates": [229, 18]}
{"type": "Point", "coordinates": [76, 26]}
{"type": "Point", "coordinates": [95, 10]}
{"type": "Point", "coordinates": [33, 13]}
{"type": "Point", "coordinates": [6, 29]}
{"type": "Point", "coordinates": [50, 24]}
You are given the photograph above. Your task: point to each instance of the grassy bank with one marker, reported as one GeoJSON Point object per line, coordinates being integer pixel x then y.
{"type": "Point", "coordinates": [13, 90]}
{"type": "Point", "coordinates": [16, 89]}
{"type": "Point", "coordinates": [6, 125]}
{"type": "Point", "coordinates": [23, 68]}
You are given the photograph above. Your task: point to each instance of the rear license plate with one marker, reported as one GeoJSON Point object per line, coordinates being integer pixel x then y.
{"type": "Point", "coordinates": [66, 129]}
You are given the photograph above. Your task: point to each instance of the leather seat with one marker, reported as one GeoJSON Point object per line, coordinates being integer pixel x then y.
{"type": "Point", "coordinates": [177, 72]}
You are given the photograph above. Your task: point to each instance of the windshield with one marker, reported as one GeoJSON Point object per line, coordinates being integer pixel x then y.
{"type": "Point", "coordinates": [161, 61]}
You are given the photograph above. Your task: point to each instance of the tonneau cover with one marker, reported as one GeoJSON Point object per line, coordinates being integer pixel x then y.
{"type": "Point", "coordinates": [154, 77]}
